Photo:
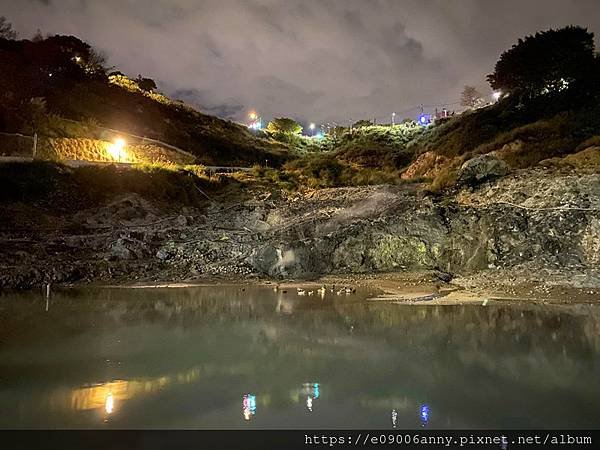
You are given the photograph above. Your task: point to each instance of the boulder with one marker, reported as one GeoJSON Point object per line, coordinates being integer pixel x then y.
{"type": "Point", "coordinates": [481, 168]}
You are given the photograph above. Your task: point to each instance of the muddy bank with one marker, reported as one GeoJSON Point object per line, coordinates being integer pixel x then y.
{"type": "Point", "coordinates": [540, 226]}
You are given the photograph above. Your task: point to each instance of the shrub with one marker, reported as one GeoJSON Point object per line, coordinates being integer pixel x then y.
{"type": "Point", "coordinates": [284, 126]}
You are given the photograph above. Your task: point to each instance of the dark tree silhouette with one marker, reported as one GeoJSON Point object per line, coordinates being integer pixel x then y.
{"type": "Point", "coordinates": [145, 84]}
{"type": "Point", "coordinates": [362, 123]}
{"type": "Point", "coordinates": [6, 29]}
{"type": "Point", "coordinates": [38, 36]}
{"type": "Point", "coordinates": [470, 97]}
{"type": "Point", "coordinates": [549, 61]}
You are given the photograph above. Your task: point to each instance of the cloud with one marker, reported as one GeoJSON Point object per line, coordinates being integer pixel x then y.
{"type": "Point", "coordinates": [313, 60]}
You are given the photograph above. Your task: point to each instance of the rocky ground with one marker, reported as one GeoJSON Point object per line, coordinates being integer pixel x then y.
{"type": "Point", "coordinates": [531, 231]}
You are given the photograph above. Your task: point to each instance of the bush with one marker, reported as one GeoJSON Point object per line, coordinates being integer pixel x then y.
{"type": "Point", "coordinates": [284, 126]}
{"type": "Point", "coordinates": [325, 170]}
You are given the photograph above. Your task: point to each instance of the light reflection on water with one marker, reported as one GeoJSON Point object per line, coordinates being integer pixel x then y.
{"type": "Point", "coordinates": [185, 358]}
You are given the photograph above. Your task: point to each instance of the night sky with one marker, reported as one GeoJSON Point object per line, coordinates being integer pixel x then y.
{"type": "Point", "coordinates": [316, 61]}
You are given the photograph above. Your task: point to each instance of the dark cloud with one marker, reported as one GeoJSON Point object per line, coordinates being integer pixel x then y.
{"type": "Point", "coordinates": [314, 60]}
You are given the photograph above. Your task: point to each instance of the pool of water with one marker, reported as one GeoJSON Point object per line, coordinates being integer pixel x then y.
{"type": "Point", "coordinates": [250, 357]}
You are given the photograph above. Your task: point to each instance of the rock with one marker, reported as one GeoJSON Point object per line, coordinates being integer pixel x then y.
{"type": "Point", "coordinates": [481, 168]}
{"type": "Point", "coordinates": [163, 254]}
{"type": "Point", "coordinates": [118, 250]}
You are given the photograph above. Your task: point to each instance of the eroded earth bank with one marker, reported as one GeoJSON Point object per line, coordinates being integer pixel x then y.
{"type": "Point", "coordinates": [538, 228]}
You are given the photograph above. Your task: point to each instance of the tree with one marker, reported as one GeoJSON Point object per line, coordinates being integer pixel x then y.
{"type": "Point", "coordinates": [470, 97]}
{"type": "Point", "coordinates": [284, 125]}
{"type": "Point", "coordinates": [362, 123]}
{"type": "Point", "coordinates": [38, 36]}
{"type": "Point", "coordinates": [6, 29]}
{"type": "Point", "coordinates": [145, 84]}
{"type": "Point", "coordinates": [549, 61]}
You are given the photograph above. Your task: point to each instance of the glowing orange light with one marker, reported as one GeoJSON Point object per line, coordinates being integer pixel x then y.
{"type": "Point", "coordinates": [117, 151]}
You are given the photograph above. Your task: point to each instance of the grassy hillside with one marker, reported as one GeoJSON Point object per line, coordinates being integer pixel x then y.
{"type": "Point", "coordinates": [58, 88]}
{"type": "Point", "coordinates": [53, 79]}
{"type": "Point", "coordinates": [53, 186]}
{"type": "Point", "coordinates": [521, 136]}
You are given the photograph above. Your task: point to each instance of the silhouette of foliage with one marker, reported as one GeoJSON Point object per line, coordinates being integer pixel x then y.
{"type": "Point", "coordinates": [6, 29]}
{"type": "Point", "coordinates": [145, 84]}
{"type": "Point", "coordinates": [470, 97]}
{"type": "Point", "coordinates": [547, 62]}
{"type": "Point", "coordinates": [284, 125]}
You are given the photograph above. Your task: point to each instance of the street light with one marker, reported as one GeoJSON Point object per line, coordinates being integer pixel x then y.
{"type": "Point", "coordinates": [116, 149]}
{"type": "Point", "coordinates": [255, 121]}
{"type": "Point", "coordinates": [312, 129]}
{"type": "Point", "coordinates": [393, 118]}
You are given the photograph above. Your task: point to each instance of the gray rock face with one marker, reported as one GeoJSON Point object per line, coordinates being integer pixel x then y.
{"type": "Point", "coordinates": [535, 220]}
{"type": "Point", "coordinates": [481, 168]}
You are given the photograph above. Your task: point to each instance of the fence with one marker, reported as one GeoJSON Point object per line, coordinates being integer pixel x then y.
{"type": "Point", "coordinates": [16, 145]}
{"type": "Point", "coordinates": [141, 140]}
{"type": "Point", "coordinates": [137, 149]}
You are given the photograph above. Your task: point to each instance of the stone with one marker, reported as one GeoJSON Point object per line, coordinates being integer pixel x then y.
{"type": "Point", "coordinates": [163, 254]}
{"type": "Point", "coordinates": [119, 250]}
{"type": "Point", "coordinates": [481, 168]}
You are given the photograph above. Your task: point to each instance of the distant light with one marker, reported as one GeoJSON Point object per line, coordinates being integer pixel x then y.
{"type": "Point", "coordinates": [256, 125]}
{"type": "Point", "coordinates": [497, 95]}
{"type": "Point", "coordinates": [255, 121]}
{"type": "Point", "coordinates": [424, 119]}
{"type": "Point", "coordinates": [78, 58]}
{"type": "Point", "coordinates": [312, 126]}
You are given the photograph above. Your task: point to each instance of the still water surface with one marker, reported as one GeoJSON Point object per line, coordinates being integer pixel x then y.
{"type": "Point", "coordinates": [249, 357]}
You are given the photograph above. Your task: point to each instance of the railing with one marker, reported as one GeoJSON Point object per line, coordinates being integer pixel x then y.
{"type": "Point", "coordinates": [18, 146]}
{"type": "Point", "coordinates": [142, 138]}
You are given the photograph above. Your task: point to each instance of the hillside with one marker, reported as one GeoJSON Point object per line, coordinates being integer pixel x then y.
{"type": "Point", "coordinates": [510, 188]}
{"type": "Point", "coordinates": [60, 77]}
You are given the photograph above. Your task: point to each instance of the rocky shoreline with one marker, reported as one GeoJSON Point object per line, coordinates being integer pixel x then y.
{"type": "Point", "coordinates": [539, 226]}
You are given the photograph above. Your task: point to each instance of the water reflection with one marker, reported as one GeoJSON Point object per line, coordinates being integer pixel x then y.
{"type": "Point", "coordinates": [182, 358]}
{"type": "Point", "coordinates": [424, 414]}
{"type": "Point", "coordinates": [110, 403]}
{"type": "Point", "coordinates": [312, 392]}
{"type": "Point", "coordinates": [103, 395]}
{"type": "Point", "coordinates": [248, 406]}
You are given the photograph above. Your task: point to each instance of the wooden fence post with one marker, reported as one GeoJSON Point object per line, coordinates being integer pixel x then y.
{"type": "Point", "coordinates": [35, 139]}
